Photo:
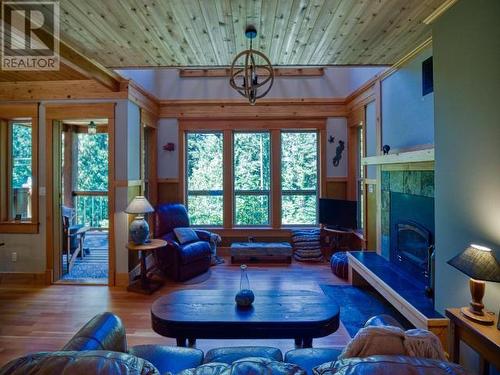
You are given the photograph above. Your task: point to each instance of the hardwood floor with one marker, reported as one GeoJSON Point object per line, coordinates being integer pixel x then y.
{"type": "Point", "coordinates": [44, 318]}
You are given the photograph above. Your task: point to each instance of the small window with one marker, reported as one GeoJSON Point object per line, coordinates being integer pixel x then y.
{"type": "Point", "coordinates": [20, 171]}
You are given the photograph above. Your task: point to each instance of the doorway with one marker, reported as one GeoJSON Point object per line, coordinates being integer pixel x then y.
{"type": "Point", "coordinates": [80, 193]}
{"type": "Point", "coordinates": [83, 183]}
{"type": "Point", "coordinates": [82, 176]}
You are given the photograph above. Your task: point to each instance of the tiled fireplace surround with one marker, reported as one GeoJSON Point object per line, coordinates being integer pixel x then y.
{"type": "Point", "coordinates": [415, 182]}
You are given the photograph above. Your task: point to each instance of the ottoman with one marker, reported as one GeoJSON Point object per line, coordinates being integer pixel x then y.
{"type": "Point", "coordinates": [339, 265]}
{"type": "Point", "coordinates": [261, 251]}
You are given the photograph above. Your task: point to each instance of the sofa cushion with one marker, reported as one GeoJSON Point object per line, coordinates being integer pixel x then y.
{"type": "Point", "coordinates": [195, 251]}
{"type": "Point", "coordinates": [382, 365]}
{"type": "Point", "coordinates": [95, 362]}
{"type": "Point", "coordinates": [185, 235]}
{"type": "Point", "coordinates": [246, 366]}
{"type": "Point", "coordinates": [168, 358]}
{"type": "Point", "coordinates": [230, 354]}
{"type": "Point", "coordinates": [310, 358]}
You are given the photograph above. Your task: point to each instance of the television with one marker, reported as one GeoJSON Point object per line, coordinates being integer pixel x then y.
{"type": "Point", "coordinates": [338, 214]}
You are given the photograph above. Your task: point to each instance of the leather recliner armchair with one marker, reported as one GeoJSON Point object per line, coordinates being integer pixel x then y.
{"type": "Point", "coordinates": [180, 261]}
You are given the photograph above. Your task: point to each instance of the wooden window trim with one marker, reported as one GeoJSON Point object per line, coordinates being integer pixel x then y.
{"type": "Point", "coordinates": [8, 113]}
{"type": "Point", "coordinates": [236, 192]}
{"type": "Point", "coordinates": [320, 174]}
{"type": "Point", "coordinates": [275, 128]}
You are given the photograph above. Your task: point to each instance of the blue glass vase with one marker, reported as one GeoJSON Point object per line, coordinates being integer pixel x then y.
{"type": "Point", "coordinates": [245, 297]}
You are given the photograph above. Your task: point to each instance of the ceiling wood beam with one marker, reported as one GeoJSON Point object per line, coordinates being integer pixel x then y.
{"type": "Point", "coordinates": [80, 63]}
{"type": "Point", "coordinates": [439, 11]}
{"type": "Point", "coordinates": [88, 68]}
{"type": "Point", "coordinates": [263, 109]}
{"type": "Point", "coordinates": [278, 72]}
{"type": "Point", "coordinates": [47, 90]}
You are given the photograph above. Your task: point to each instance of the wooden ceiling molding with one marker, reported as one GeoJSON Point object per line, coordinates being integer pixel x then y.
{"type": "Point", "coordinates": [209, 33]}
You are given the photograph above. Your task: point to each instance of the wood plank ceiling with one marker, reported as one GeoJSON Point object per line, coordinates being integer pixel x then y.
{"type": "Point", "coordinates": [132, 33]}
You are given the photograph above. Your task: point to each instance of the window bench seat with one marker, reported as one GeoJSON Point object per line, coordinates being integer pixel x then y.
{"type": "Point", "coordinates": [399, 289]}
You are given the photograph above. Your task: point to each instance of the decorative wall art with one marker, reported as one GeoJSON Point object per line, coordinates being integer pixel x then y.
{"type": "Point", "coordinates": [338, 153]}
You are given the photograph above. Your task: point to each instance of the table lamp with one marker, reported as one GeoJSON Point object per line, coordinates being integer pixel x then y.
{"type": "Point", "coordinates": [480, 264]}
{"type": "Point", "coordinates": [139, 228]}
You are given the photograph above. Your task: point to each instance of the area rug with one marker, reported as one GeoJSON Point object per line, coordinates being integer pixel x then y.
{"type": "Point", "coordinates": [357, 305]}
{"type": "Point", "coordinates": [198, 279]}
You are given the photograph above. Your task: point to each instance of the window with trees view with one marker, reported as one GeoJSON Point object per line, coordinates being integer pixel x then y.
{"type": "Point", "coordinates": [21, 174]}
{"type": "Point", "coordinates": [252, 179]}
{"type": "Point", "coordinates": [204, 177]}
{"type": "Point", "coordinates": [249, 197]}
{"type": "Point", "coordinates": [299, 177]}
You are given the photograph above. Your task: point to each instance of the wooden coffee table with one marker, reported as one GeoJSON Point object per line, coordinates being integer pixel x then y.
{"type": "Point", "coordinates": [212, 314]}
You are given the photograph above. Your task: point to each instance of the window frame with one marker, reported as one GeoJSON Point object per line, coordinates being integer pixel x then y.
{"type": "Point", "coordinates": [275, 127]}
{"type": "Point", "coordinates": [202, 192]}
{"type": "Point", "coordinates": [11, 113]}
{"type": "Point", "coordinates": [302, 192]}
{"type": "Point", "coordinates": [251, 192]}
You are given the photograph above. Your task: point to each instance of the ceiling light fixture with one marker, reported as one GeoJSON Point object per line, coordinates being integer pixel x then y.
{"type": "Point", "coordinates": [256, 74]}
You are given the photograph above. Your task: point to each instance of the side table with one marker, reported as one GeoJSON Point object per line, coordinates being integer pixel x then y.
{"type": "Point", "coordinates": [482, 338]}
{"type": "Point", "coordinates": [144, 284]}
{"type": "Point", "coordinates": [334, 240]}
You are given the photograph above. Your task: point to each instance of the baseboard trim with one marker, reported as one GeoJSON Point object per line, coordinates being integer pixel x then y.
{"type": "Point", "coordinates": [23, 278]}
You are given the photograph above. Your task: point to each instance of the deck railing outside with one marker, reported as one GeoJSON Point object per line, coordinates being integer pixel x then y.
{"type": "Point", "coordinates": [92, 208]}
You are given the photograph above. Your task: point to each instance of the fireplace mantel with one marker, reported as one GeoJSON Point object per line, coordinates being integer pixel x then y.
{"type": "Point", "coordinates": [417, 156]}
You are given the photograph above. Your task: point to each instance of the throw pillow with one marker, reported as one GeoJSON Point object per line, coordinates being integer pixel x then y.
{"type": "Point", "coordinates": [185, 235]}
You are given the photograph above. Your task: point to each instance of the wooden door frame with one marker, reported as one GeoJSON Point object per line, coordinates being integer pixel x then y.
{"type": "Point", "coordinates": [61, 112]}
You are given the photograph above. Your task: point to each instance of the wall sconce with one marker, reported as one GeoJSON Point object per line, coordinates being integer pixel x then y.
{"type": "Point", "coordinates": [169, 146]}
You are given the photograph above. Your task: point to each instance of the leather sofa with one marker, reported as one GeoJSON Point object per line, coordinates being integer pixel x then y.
{"type": "Point", "coordinates": [100, 347]}
{"type": "Point", "coordinates": [180, 262]}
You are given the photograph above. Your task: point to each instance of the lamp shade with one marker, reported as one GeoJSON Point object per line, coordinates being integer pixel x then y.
{"type": "Point", "coordinates": [477, 262]}
{"type": "Point", "coordinates": [139, 205]}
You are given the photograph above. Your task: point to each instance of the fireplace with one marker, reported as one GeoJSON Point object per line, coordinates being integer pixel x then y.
{"type": "Point", "coordinates": [413, 247]}
{"type": "Point", "coordinates": [412, 234]}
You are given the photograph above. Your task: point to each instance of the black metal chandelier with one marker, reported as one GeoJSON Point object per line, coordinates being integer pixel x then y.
{"type": "Point", "coordinates": [252, 74]}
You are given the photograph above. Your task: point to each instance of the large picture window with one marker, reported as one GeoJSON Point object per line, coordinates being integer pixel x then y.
{"type": "Point", "coordinates": [299, 177]}
{"type": "Point", "coordinates": [252, 179]}
{"type": "Point", "coordinates": [204, 177]}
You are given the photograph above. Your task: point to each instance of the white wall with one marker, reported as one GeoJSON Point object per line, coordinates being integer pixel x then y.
{"type": "Point", "coordinates": [467, 82]}
{"type": "Point", "coordinates": [407, 116]}
{"type": "Point", "coordinates": [337, 127]}
{"type": "Point", "coordinates": [338, 82]}
{"type": "Point", "coordinates": [133, 141]}
{"type": "Point", "coordinates": [168, 161]}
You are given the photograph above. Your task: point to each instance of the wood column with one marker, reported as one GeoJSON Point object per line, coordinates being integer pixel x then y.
{"type": "Point", "coordinates": [227, 163]}
{"type": "Point", "coordinates": [70, 163]}
{"type": "Point", "coordinates": [276, 178]}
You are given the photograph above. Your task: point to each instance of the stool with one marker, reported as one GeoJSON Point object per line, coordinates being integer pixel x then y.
{"type": "Point", "coordinates": [339, 265]}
